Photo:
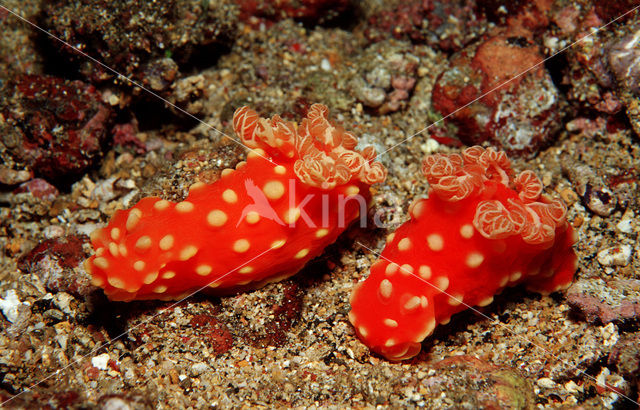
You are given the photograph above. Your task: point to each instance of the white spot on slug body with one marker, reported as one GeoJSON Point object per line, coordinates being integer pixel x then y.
{"type": "Point", "coordinates": [241, 245]}
{"type": "Point", "coordinates": [466, 231]}
{"type": "Point", "coordinates": [187, 252]}
{"type": "Point", "coordinates": [101, 263]}
{"type": "Point", "coordinates": [185, 207]}
{"type": "Point", "coordinates": [386, 288]}
{"type": "Point", "coordinates": [424, 271]}
{"type": "Point", "coordinates": [302, 253]}
{"type": "Point", "coordinates": [455, 299]}
{"type": "Point", "coordinates": [390, 322]}
{"type": "Point", "coordinates": [404, 244]}
{"type": "Point", "coordinates": [273, 190]}
{"type": "Point", "coordinates": [321, 233]}
{"type": "Point", "coordinates": [115, 282]}
{"type": "Point", "coordinates": [166, 242]}
{"type": "Point", "coordinates": [150, 278]}
{"type": "Point", "coordinates": [216, 218]}
{"type": "Point", "coordinates": [229, 196]}
{"type": "Point", "coordinates": [435, 242]}
{"type": "Point", "coordinates": [132, 220]}
{"type": "Point", "coordinates": [474, 259]}
{"type": "Point", "coordinates": [161, 205]}
{"type": "Point", "coordinates": [406, 269]}
{"type": "Point", "coordinates": [203, 270]}
{"type": "Point", "coordinates": [391, 269]}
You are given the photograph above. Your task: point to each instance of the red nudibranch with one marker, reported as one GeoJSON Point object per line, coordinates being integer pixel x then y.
{"type": "Point", "coordinates": [299, 188]}
{"type": "Point", "coordinates": [480, 230]}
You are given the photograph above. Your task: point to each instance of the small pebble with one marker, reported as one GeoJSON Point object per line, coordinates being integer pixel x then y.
{"type": "Point", "coordinates": [615, 256]}
{"type": "Point", "coordinates": [100, 361]}
{"type": "Point", "coordinates": [546, 383]}
{"type": "Point", "coordinates": [198, 368]}
{"type": "Point", "coordinates": [325, 65]}
{"type": "Point", "coordinates": [9, 305]}
{"type": "Point", "coordinates": [626, 223]}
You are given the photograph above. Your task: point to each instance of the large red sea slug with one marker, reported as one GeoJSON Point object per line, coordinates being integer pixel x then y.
{"type": "Point", "coordinates": [299, 188]}
{"type": "Point", "coordinates": [480, 231]}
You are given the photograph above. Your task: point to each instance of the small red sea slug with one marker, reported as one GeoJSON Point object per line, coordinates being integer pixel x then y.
{"type": "Point", "coordinates": [481, 230]}
{"type": "Point", "coordinates": [299, 188]}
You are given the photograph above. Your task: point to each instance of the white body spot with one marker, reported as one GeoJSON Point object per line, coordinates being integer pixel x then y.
{"type": "Point", "coordinates": [273, 190]}
{"type": "Point", "coordinates": [442, 283]}
{"type": "Point", "coordinates": [101, 263]}
{"type": "Point", "coordinates": [321, 233]}
{"type": "Point", "coordinates": [474, 259]}
{"type": "Point", "coordinates": [406, 269]}
{"type": "Point", "coordinates": [150, 278]}
{"type": "Point", "coordinates": [424, 271]}
{"type": "Point", "coordinates": [161, 205]}
{"type": "Point", "coordinates": [185, 207]}
{"type": "Point", "coordinates": [166, 242]}
{"type": "Point", "coordinates": [143, 243]}
{"type": "Point", "coordinates": [386, 288]}
{"type": "Point", "coordinates": [390, 322]}
{"type": "Point", "coordinates": [404, 244]}
{"type": "Point", "coordinates": [466, 231]}
{"type": "Point", "coordinates": [241, 245]}
{"type": "Point", "coordinates": [188, 252]}
{"type": "Point", "coordinates": [168, 274]}
{"type": "Point", "coordinates": [203, 270]}
{"type": "Point", "coordinates": [229, 196]}
{"type": "Point", "coordinates": [302, 253]}
{"type": "Point", "coordinates": [391, 269]}
{"type": "Point", "coordinates": [412, 303]}
{"type": "Point", "coordinates": [115, 282]}
{"type": "Point", "coordinates": [132, 220]}
{"type": "Point", "coordinates": [435, 242]}
{"type": "Point", "coordinates": [115, 233]}
{"type": "Point", "coordinates": [216, 218]}
{"type": "Point", "coordinates": [455, 299]}
{"type": "Point", "coordinates": [246, 269]}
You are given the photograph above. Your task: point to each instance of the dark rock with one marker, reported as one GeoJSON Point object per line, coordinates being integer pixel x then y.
{"type": "Point", "coordinates": [489, 99]}
{"type": "Point", "coordinates": [624, 61]}
{"type": "Point", "coordinates": [134, 37]}
{"type": "Point", "coordinates": [160, 74]}
{"type": "Point", "coordinates": [472, 383]}
{"type": "Point", "coordinates": [592, 188]}
{"type": "Point", "coordinates": [39, 188]}
{"type": "Point", "coordinates": [126, 135]}
{"type": "Point", "coordinates": [256, 12]}
{"type": "Point", "coordinates": [600, 301]}
{"type": "Point", "coordinates": [445, 25]}
{"type": "Point", "coordinates": [626, 356]}
{"type": "Point", "coordinates": [53, 126]}
{"type": "Point", "coordinates": [57, 263]}
{"type": "Point", "coordinates": [209, 328]}
{"type": "Point", "coordinates": [609, 10]}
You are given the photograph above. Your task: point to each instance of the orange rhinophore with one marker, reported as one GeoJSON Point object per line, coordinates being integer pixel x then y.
{"type": "Point", "coordinates": [299, 188]}
{"type": "Point", "coordinates": [481, 230]}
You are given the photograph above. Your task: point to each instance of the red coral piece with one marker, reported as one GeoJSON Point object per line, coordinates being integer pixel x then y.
{"type": "Point", "coordinates": [262, 222]}
{"type": "Point", "coordinates": [479, 231]}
